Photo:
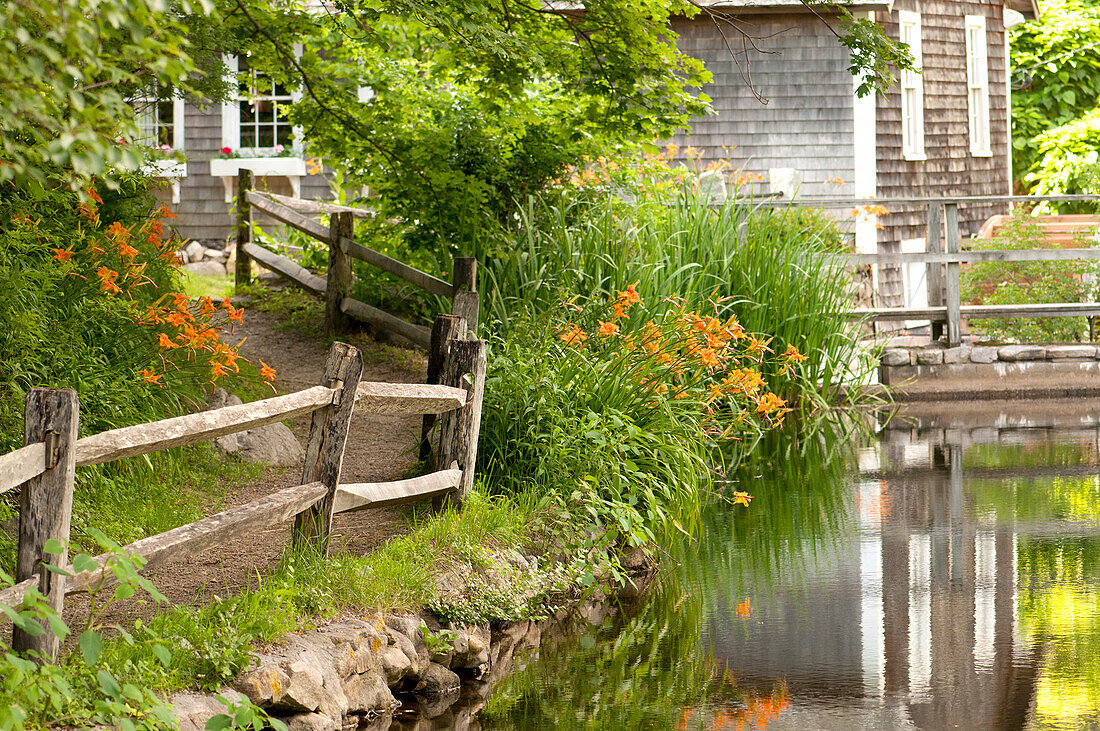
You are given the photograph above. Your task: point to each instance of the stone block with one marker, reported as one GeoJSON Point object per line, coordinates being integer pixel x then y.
{"type": "Point", "coordinates": [895, 357]}
{"type": "Point", "coordinates": [983, 355]}
{"type": "Point", "coordinates": [1058, 352]}
{"type": "Point", "coordinates": [1012, 353]}
{"type": "Point", "coordinates": [305, 690]}
{"type": "Point", "coordinates": [956, 355]}
{"type": "Point", "coordinates": [368, 692]}
{"type": "Point", "coordinates": [206, 267]}
{"type": "Point", "coordinates": [194, 251]}
{"type": "Point", "coordinates": [263, 686]}
{"type": "Point", "coordinates": [193, 710]}
{"type": "Point", "coordinates": [437, 680]}
{"type": "Point", "coordinates": [311, 722]}
{"type": "Point", "coordinates": [929, 356]}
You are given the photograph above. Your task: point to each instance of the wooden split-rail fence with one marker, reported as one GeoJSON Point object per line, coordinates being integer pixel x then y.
{"type": "Point", "coordinates": [342, 249]}
{"type": "Point", "coordinates": [44, 469]}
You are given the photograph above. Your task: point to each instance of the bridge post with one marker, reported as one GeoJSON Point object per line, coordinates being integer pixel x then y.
{"type": "Point", "coordinates": [951, 288]}
{"type": "Point", "coordinates": [934, 275]}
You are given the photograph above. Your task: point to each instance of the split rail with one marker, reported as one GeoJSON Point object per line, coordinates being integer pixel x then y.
{"type": "Point", "coordinates": [44, 469]}
{"type": "Point", "coordinates": [342, 249]}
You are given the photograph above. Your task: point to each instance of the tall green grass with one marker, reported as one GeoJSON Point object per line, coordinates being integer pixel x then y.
{"type": "Point", "coordinates": [777, 267]}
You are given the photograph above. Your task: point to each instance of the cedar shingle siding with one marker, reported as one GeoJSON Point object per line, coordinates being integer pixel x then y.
{"type": "Point", "coordinates": [203, 213]}
{"type": "Point", "coordinates": [807, 122]}
{"type": "Point", "coordinates": [950, 168]}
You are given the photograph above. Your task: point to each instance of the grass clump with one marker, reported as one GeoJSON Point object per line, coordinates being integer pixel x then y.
{"type": "Point", "coordinates": [203, 647]}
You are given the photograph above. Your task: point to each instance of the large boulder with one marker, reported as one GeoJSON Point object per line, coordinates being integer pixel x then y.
{"type": "Point", "coordinates": [272, 444]}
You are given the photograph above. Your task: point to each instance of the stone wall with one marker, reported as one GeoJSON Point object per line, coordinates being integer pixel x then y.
{"type": "Point", "coordinates": [1006, 371]}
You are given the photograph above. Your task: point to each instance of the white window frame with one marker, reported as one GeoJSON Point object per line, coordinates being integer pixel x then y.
{"type": "Point", "coordinates": [912, 89]}
{"type": "Point", "coordinates": [177, 118]}
{"type": "Point", "coordinates": [977, 85]}
{"type": "Point", "coordinates": [170, 170]}
{"type": "Point", "coordinates": [231, 120]}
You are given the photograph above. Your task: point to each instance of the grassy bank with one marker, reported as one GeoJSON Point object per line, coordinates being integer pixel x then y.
{"type": "Point", "coordinates": [120, 677]}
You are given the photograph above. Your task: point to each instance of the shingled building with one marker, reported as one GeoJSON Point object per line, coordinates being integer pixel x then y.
{"type": "Point", "coordinates": [786, 112]}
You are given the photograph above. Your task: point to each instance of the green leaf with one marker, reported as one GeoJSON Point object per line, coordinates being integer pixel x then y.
{"type": "Point", "coordinates": [54, 547]}
{"type": "Point", "coordinates": [91, 646]}
{"type": "Point", "coordinates": [108, 684]}
{"type": "Point", "coordinates": [82, 562]}
{"type": "Point", "coordinates": [219, 722]}
{"type": "Point", "coordinates": [163, 654]}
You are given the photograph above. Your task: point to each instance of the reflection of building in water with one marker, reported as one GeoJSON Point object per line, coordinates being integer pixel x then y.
{"type": "Point", "coordinates": [951, 645]}
{"type": "Point", "coordinates": [913, 617]}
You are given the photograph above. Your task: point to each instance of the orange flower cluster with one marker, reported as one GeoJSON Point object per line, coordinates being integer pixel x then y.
{"type": "Point", "coordinates": [755, 713]}
{"type": "Point", "coordinates": [114, 259]}
{"type": "Point", "coordinates": [688, 355]}
{"type": "Point", "coordinates": [197, 326]}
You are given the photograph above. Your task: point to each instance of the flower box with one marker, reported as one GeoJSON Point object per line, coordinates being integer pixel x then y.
{"type": "Point", "coordinates": [292, 168]}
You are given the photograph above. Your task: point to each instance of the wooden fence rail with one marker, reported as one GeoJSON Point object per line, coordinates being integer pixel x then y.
{"type": "Point", "coordinates": [335, 288]}
{"type": "Point", "coordinates": [44, 469]}
{"type": "Point", "coordinates": [942, 260]}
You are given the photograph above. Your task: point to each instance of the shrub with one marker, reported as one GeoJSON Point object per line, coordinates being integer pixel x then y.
{"type": "Point", "coordinates": [997, 283]}
{"type": "Point", "coordinates": [91, 304]}
{"type": "Point", "coordinates": [617, 409]}
{"type": "Point", "coordinates": [773, 269]}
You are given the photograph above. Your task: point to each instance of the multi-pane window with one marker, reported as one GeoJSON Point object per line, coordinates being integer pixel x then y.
{"type": "Point", "coordinates": [263, 105]}
{"type": "Point", "coordinates": [159, 119]}
{"type": "Point", "coordinates": [977, 83]}
{"type": "Point", "coordinates": [912, 89]}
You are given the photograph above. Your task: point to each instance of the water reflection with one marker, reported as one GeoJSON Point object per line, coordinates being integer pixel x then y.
{"type": "Point", "coordinates": [941, 577]}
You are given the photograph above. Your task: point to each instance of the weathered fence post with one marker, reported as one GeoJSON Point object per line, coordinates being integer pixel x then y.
{"type": "Point", "coordinates": [444, 329]}
{"type": "Point", "coordinates": [463, 367]}
{"type": "Point", "coordinates": [328, 434]}
{"type": "Point", "coordinates": [46, 505]}
{"type": "Point", "coordinates": [464, 302]}
{"type": "Point", "coordinates": [951, 283]}
{"type": "Point", "coordinates": [242, 271]}
{"type": "Point", "coordinates": [339, 272]}
{"type": "Point", "coordinates": [934, 272]}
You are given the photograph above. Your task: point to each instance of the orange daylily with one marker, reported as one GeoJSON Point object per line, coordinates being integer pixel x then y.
{"type": "Point", "coordinates": [107, 280]}
{"type": "Point", "coordinates": [791, 354]}
{"type": "Point", "coordinates": [166, 343]}
{"type": "Point", "coordinates": [741, 498]}
{"type": "Point", "coordinates": [118, 233]}
{"type": "Point", "coordinates": [709, 358]}
{"type": "Point", "coordinates": [62, 255]}
{"type": "Point", "coordinates": [151, 377]}
{"type": "Point", "coordinates": [607, 329]}
{"type": "Point", "coordinates": [573, 335]}
{"type": "Point", "coordinates": [267, 372]}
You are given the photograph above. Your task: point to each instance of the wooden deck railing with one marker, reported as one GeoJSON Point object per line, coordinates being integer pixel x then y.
{"type": "Point", "coordinates": [44, 469]}
{"type": "Point", "coordinates": [943, 257]}
{"type": "Point", "coordinates": [342, 248]}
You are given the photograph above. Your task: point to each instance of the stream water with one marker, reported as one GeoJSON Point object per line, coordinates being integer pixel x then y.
{"type": "Point", "coordinates": [945, 574]}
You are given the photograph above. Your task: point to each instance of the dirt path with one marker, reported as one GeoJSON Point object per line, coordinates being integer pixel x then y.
{"type": "Point", "coordinates": [378, 448]}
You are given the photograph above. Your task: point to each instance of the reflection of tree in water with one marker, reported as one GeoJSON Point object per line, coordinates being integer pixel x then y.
{"type": "Point", "coordinates": [657, 669]}
{"type": "Point", "coordinates": [1059, 600]}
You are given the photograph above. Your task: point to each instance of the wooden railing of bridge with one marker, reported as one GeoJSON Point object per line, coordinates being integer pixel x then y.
{"type": "Point", "coordinates": [44, 469]}
{"type": "Point", "coordinates": [943, 256]}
